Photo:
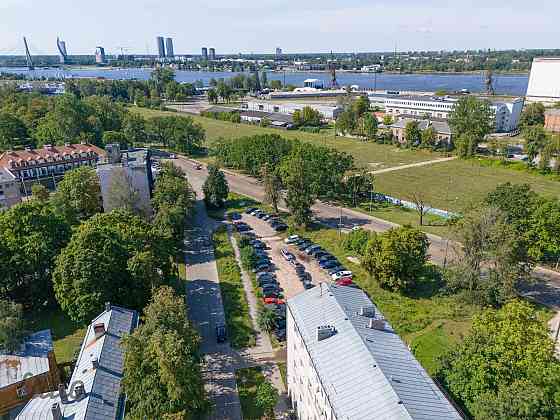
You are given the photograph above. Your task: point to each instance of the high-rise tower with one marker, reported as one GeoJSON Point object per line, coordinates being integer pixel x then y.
{"type": "Point", "coordinates": [169, 48]}
{"type": "Point", "coordinates": [212, 54]}
{"type": "Point", "coordinates": [160, 47]}
{"type": "Point", "coordinates": [205, 53]}
{"type": "Point", "coordinates": [63, 54]}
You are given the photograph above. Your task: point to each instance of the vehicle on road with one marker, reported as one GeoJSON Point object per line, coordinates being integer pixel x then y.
{"type": "Point", "coordinates": [262, 267]}
{"type": "Point", "coordinates": [291, 239]}
{"type": "Point", "coordinates": [311, 249]}
{"type": "Point", "coordinates": [221, 336]}
{"type": "Point", "coordinates": [308, 285]}
{"type": "Point", "coordinates": [288, 256]}
{"type": "Point", "coordinates": [275, 300]}
{"type": "Point", "coordinates": [326, 265]}
{"type": "Point", "coordinates": [341, 274]}
{"type": "Point", "coordinates": [250, 210]}
{"type": "Point", "coordinates": [235, 216]}
{"type": "Point", "coordinates": [346, 281]}
{"type": "Point", "coordinates": [336, 269]}
{"type": "Point", "coordinates": [281, 228]}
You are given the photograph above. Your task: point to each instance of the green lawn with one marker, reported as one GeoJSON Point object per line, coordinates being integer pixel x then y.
{"type": "Point", "coordinates": [458, 184]}
{"type": "Point", "coordinates": [413, 317]}
{"type": "Point", "coordinates": [240, 330]}
{"type": "Point", "coordinates": [247, 382]}
{"type": "Point", "coordinates": [67, 335]}
{"type": "Point", "coordinates": [375, 156]}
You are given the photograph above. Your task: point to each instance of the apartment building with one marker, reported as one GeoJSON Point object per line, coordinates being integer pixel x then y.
{"type": "Point", "coordinates": [442, 130]}
{"type": "Point", "coordinates": [94, 392]}
{"type": "Point", "coordinates": [328, 112]}
{"type": "Point", "coordinates": [506, 113]}
{"type": "Point", "coordinates": [10, 193]}
{"type": "Point", "coordinates": [30, 370]}
{"type": "Point", "coordinates": [345, 362]}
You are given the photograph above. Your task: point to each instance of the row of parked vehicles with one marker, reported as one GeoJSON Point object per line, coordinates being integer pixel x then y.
{"type": "Point", "coordinates": [328, 262]}
{"type": "Point", "coordinates": [303, 275]}
{"type": "Point", "coordinates": [273, 220]}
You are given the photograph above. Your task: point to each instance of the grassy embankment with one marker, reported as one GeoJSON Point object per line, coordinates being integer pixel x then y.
{"type": "Point", "coordinates": [455, 185]}
{"type": "Point", "coordinates": [240, 330]}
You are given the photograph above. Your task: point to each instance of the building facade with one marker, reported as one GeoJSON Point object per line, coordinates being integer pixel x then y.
{"type": "Point", "coordinates": [10, 193]}
{"type": "Point", "coordinates": [212, 54]}
{"type": "Point", "coordinates": [442, 130]}
{"type": "Point", "coordinates": [204, 53]}
{"type": "Point", "coordinates": [552, 120]}
{"type": "Point", "coordinates": [544, 81]}
{"type": "Point", "coordinates": [95, 386]}
{"type": "Point", "coordinates": [345, 362]}
{"type": "Point", "coordinates": [328, 112]}
{"type": "Point", "coordinates": [160, 46]}
{"type": "Point", "coordinates": [506, 113]}
{"type": "Point", "coordinates": [169, 48]}
{"type": "Point", "coordinates": [29, 371]}
{"type": "Point", "coordinates": [48, 164]}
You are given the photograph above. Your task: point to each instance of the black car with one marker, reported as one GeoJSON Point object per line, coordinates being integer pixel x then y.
{"type": "Point", "coordinates": [320, 254]}
{"type": "Point", "coordinates": [248, 235]}
{"type": "Point", "coordinates": [329, 264]}
{"type": "Point", "coordinates": [221, 335]}
{"type": "Point", "coordinates": [280, 335]}
{"type": "Point", "coordinates": [308, 285]}
{"type": "Point", "coordinates": [240, 227]}
{"type": "Point", "coordinates": [281, 228]}
{"type": "Point", "coordinates": [328, 257]}
{"type": "Point", "coordinates": [235, 216]}
{"type": "Point", "coordinates": [300, 268]}
{"type": "Point", "coordinates": [250, 210]}
{"type": "Point", "coordinates": [270, 293]}
{"type": "Point", "coordinates": [262, 267]}
{"type": "Point", "coordinates": [261, 215]}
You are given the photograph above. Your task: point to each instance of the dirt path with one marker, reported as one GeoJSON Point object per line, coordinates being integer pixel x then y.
{"type": "Point", "coordinates": [413, 165]}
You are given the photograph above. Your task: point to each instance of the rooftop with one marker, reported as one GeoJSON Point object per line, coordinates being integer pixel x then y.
{"type": "Point", "coordinates": [46, 152]}
{"type": "Point", "coordinates": [99, 368]}
{"type": "Point", "coordinates": [378, 374]}
{"type": "Point", "coordinates": [32, 359]}
{"type": "Point", "coordinates": [555, 112]}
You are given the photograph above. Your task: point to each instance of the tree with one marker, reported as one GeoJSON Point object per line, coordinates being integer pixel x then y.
{"type": "Point", "coordinates": [368, 126]}
{"type": "Point", "coordinates": [506, 351]}
{"type": "Point", "coordinates": [13, 132]}
{"type": "Point", "coordinates": [161, 76]}
{"type": "Point", "coordinates": [360, 106]}
{"type": "Point", "coordinates": [471, 120]}
{"type": "Point", "coordinates": [264, 79]}
{"type": "Point", "coordinates": [307, 117]}
{"type": "Point", "coordinates": [345, 122]}
{"type": "Point", "coordinates": [134, 128]}
{"type": "Point", "coordinates": [536, 138]}
{"type": "Point", "coordinates": [121, 194]}
{"type": "Point", "coordinates": [300, 196]}
{"type": "Point", "coordinates": [181, 134]}
{"type": "Point", "coordinates": [359, 186]}
{"type": "Point", "coordinates": [412, 133]}
{"type": "Point", "coordinates": [272, 186]}
{"type": "Point", "coordinates": [491, 261]}
{"type": "Point", "coordinates": [421, 205]}
{"type": "Point", "coordinates": [212, 96]}
{"type": "Point", "coordinates": [356, 241]}
{"type": "Point", "coordinates": [40, 192]}
{"type": "Point", "coordinates": [387, 120]}
{"type": "Point", "coordinates": [215, 188]}
{"type": "Point", "coordinates": [266, 398]}
{"type": "Point", "coordinates": [162, 376]}
{"type": "Point", "coordinates": [543, 233]}
{"type": "Point", "coordinates": [396, 258]}
{"type": "Point", "coordinates": [12, 326]}
{"type": "Point", "coordinates": [78, 195]}
{"type": "Point", "coordinates": [267, 319]}
{"type": "Point", "coordinates": [108, 260]}
{"type": "Point", "coordinates": [533, 114]}
{"type": "Point", "coordinates": [429, 138]}
{"type": "Point", "coordinates": [31, 235]}
{"type": "Point", "coordinates": [115, 137]}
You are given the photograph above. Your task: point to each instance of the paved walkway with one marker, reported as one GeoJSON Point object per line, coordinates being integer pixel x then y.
{"type": "Point", "coordinates": [413, 165]}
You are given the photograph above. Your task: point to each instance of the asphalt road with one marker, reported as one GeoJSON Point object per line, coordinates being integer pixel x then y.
{"type": "Point", "coordinates": [206, 311]}
{"type": "Point", "coordinates": [441, 250]}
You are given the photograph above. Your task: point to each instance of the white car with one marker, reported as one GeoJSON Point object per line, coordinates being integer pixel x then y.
{"type": "Point", "coordinates": [291, 239]}
{"type": "Point", "coordinates": [341, 275]}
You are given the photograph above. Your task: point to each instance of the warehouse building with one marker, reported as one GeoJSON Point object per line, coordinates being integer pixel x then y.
{"type": "Point", "coordinates": [544, 81]}
{"type": "Point", "coordinates": [328, 112]}
{"type": "Point", "coordinates": [346, 362]}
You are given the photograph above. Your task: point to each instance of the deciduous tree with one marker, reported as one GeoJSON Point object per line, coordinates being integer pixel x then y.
{"type": "Point", "coordinates": [215, 188]}
{"type": "Point", "coordinates": [12, 326]}
{"type": "Point", "coordinates": [471, 120]}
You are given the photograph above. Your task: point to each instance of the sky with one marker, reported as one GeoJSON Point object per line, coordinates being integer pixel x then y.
{"type": "Point", "coordinates": [233, 26]}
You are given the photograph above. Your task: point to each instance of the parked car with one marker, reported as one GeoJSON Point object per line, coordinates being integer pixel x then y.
{"type": "Point", "coordinates": [304, 277]}
{"type": "Point", "coordinates": [291, 239]}
{"type": "Point", "coordinates": [314, 251]}
{"type": "Point", "coordinates": [346, 281]}
{"type": "Point", "coordinates": [326, 265]}
{"type": "Point", "coordinates": [271, 286]}
{"type": "Point", "coordinates": [281, 228]}
{"type": "Point", "coordinates": [287, 254]}
{"type": "Point", "coordinates": [311, 249]}
{"type": "Point", "coordinates": [275, 300]}
{"type": "Point", "coordinates": [250, 210]}
{"type": "Point", "coordinates": [320, 254]}
{"type": "Point", "coordinates": [328, 257]}
{"type": "Point", "coordinates": [308, 285]}
{"type": "Point", "coordinates": [336, 269]}
{"type": "Point", "coordinates": [299, 241]}
{"type": "Point", "coordinates": [234, 216]}
{"type": "Point", "coordinates": [341, 274]}
{"type": "Point", "coordinates": [280, 335]}
{"type": "Point", "coordinates": [242, 227]}
{"type": "Point", "coordinates": [267, 216]}
{"type": "Point", "coordinates": [261, 215]}
{"type": "Point", "coordinates": [304, 245]}
{"type": "Point", "coordinates": [270, 293]}
{"type": "Point", "coordinates": [263, 267]}
{"type": "Point", "coordinates": [248, 234]}
{"type": "Point", "coordinates": [221, 335]}
{"type": "Point", "coordinates": [299, 268]}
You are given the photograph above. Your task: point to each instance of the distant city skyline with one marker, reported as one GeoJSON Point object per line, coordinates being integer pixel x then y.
{"type": "Point", "coordinates": [235, 26]}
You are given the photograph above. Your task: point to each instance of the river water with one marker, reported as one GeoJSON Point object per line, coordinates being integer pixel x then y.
{"type": "Point", "coordinates": [504, 84]}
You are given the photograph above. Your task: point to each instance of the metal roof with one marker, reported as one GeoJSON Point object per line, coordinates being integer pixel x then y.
{"type": "Point", "coordinates": [367, 373]}
{"type": "Point", "coordinates": [32, 359]}
{"type": "Point", "coordinates": [103, 399]}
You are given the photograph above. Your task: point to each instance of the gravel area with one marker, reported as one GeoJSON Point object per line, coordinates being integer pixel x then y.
{"type": "Point", "coordinates": [285, 272]}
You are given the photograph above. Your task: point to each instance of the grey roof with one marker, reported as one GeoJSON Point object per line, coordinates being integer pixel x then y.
{"type": "Point", "coordinates": [441, 127]}
{"type": "Point", "coordinates": [367, 373]}
{"type": "Point", "coordinates": [32, 359]}
{"type": "Point", "coordinates": [272, 116]}
{"type": "Point", "coordinates": [103, 399]}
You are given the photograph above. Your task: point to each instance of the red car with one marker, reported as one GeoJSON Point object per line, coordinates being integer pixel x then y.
{"type": "Point", "coordinates": [345, 281]}
{"type": "Point", "coordinates": [269, 300]}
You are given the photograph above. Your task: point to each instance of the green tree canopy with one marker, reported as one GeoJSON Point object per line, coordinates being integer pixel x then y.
{"type": "Point", "coordinates": [12, 326]}
{"type": "Point", "coordinates": [178, 133]}
{"type": "Point", "coordinates": [215, 187]}
{"type": "Point", "coordinates": [412, 133]}
{"type": "Point", "coordinates": [505, 367]}
{"type": "Point", "coordinates": [471, 120]}
{"type": "Point", "coordinates": [533, 114]}
{"type": "Point", "coordinates": [13, 131]}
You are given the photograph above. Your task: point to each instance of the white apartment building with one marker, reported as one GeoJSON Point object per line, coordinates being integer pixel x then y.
{"type": "Point", "coordinates": [10, 193]}
{"type": "Point", "coordinates": [345, 362]}
{"type": "Point", "coordinates": [327, 111]}
{"type": "Point", "coordinates": [506, 113]}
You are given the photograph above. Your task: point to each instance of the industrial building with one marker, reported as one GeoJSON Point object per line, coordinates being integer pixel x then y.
{"type": "Point", "coordinates": [205, 53]}
{"type": "Point", "coordinates": [506, 113]}
{"type": "Point", "coordinates": [328, 112]}
{"type": "Point", "coordinates": [95, 387]}
{"type": "Point", "coordinates": [544, 81]}
{"type": "Point", "coordinates": [346, 362]}
{"type": "Point", "coordinates": [212, 54]}
{"type": "Point", "coordinates": [160, 46]}
{"type": "Point", "coordinates": [278, 52]}
{"type": "Point", "coordinates": [169, 48]}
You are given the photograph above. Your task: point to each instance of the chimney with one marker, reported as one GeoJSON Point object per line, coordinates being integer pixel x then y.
{"type": "Point", "coordinates": [376, 324]}
{"type": "Point", "coordinates": [367, 311]}
{"type": "Point", "coordinates": [325, 331]}
{"type": "Point", "coordinates": [107, 306]}
{"type": "Point", "coordinates": [62, 393]}
{"type": "Point", "coordinates": [95, 363]}
{"type": "Point", "coordinates": [56, 412]}
{"type": "Point", "coordinates": [99, 330]}
{"type": "Point", "coordinates": [79, 391]}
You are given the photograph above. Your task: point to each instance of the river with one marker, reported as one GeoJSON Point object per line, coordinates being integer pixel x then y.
{"type": "Point", "coordinates": [515, 84]}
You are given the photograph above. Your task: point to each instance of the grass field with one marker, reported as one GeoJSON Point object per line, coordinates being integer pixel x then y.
{"type": "Point", "coordinates": [240, 330]}
{"type": "Point", "coordinates": [67, 336]}
{"type": "Point", "coordinates": [456, 185]}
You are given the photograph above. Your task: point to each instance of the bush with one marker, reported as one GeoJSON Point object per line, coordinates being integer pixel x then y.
{"type": "Point", "coordinates": [356, 241]}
